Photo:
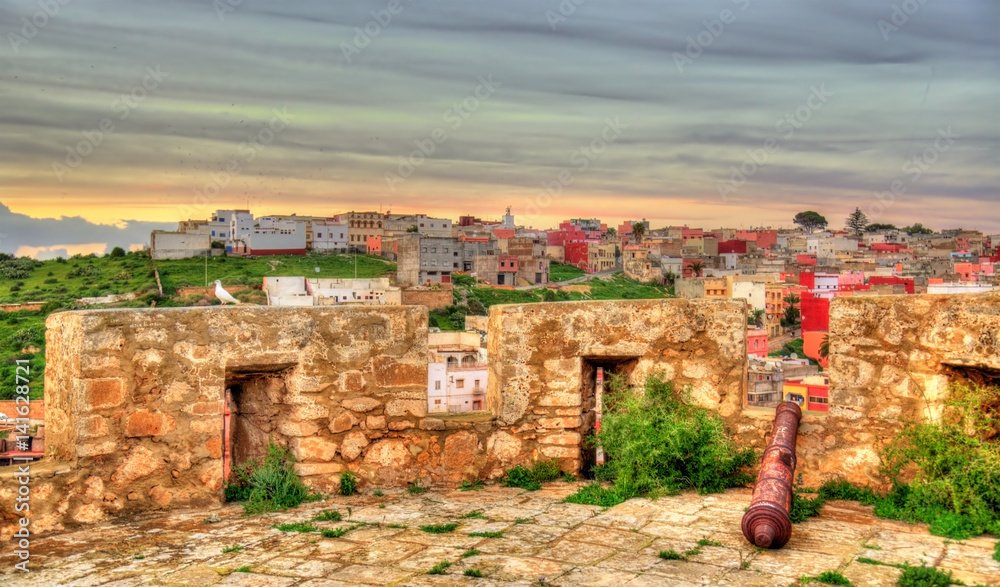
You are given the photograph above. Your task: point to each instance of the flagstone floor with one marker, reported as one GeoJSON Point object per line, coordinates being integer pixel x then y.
{"type": "Point", "coordinates": [543, 541]}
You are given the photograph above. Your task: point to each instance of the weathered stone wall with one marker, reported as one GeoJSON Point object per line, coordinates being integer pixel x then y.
{"type": "Point", "coordinates": [542, 359]}
{"type": "Point", "coordinates": [135, 405]}
{"type": "Point", "coordinates": [430, 298]}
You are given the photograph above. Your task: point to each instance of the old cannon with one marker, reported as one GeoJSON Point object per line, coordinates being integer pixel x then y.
{"type": "Point", "coordinates": [767, 523]}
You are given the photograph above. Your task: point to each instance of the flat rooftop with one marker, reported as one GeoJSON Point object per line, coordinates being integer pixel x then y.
{"type": "Point", "coordinates": [545, 541]}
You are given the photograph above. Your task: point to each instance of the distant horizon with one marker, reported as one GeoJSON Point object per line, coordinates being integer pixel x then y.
{"type": "Point", "coordinates": [125, 232]}
{"type": "Point", "coordinates": [720, 112]}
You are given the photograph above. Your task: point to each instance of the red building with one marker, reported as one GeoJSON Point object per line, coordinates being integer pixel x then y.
{"type": "Point", "coordinates": [815, 312]}
{"type": "Point", "coordinates": [733, 246]}
{"type": "Point", "coordinates": [887, 247]}
{"type": "Point", "coordinates": [576, 253]}
{"type": "Point", "coordinates": [806, 259]}
{"type": "Point", "coordinates": [757, 342]}
{"type": "Point", "coordinates": [906, 282]}
{"type": "Point", "coordinates": [812, 393]}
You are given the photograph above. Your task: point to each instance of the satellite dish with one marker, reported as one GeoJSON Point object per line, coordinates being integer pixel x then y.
{"type": "Point", "coordinates": [793, 356]}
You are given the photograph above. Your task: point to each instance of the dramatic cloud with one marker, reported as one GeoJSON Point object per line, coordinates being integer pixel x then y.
{"type": "Point", "coordinates": [65, 236]}
{"type": "Point", "coordinates": [731, 111]}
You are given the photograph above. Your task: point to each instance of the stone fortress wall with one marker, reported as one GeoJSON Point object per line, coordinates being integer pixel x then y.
{"type": "Point", "coordinates": [135, 398]}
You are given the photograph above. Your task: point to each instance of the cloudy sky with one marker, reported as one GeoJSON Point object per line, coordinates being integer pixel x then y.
{"type": "Point", "coordinates": [121, 116]}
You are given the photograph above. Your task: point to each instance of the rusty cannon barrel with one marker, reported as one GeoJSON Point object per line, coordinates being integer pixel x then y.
{"type": "Point", "coordinates": [766, 522]}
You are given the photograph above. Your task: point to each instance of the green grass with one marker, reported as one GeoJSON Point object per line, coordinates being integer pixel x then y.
{"type": "Point", "coordinates": [707, 542]}
{"type": "Point", "coordinates": [232, 548]}
{"type": "Point", "coordinates": [827, 578]}
{"type": "Point", "coordinates": [415, 489]}
{"type": "Point", "coordinates": [439, 568]}
{"type": "Point", "coordinates": [439, 529]}
{"type": "Point", "coordinates": [954, 465]}
{"type": "Point", "coordinates": [924, 576]}
{"type": "Point", "coordinates": [243, 569]}
{"type": "Point", "coordinates": [620, 287]}
{"type": "Point", "coordinates": [397, 526]}
{"type": "Point", "coordinates": [473, 514]}
{"type": "Point", "coordinates": [378, 493]}
{"type": "Point", "coordinates": [532, 479]}
{"type": "Point", "coordinates": [474, 486]}
{"type": "Point", "coordinates": [348, 483]}
{"type": "Point", "coordinates": [473, 573]}
{"type": "Point", "coordinates": [58, 284]}
{"type": "Point", "coordinates": [563, 272]}
{"type": "Point", "coordinates": [468, 553]}
{"type": "Point", "coordinates": [486, 534]}
{"type": "Point", "coordinates": [671, 555]}
{"type": "Point", "coordinates": [804, 508]}
{"type": "Point", "coordinates": [328, 516]}
{"type": "Point", "coordinates": [658, 444]}
{"type": "Point", "coordinates": [338, 532]}
{"type": "Point", "coordinates": [296, 527]}
{"type": "Point", "coordinates": [524, 521]}
{"type": "Point", "coordinates": [268, 486]}
{"type": "Point", "coordinates": [996, 552]}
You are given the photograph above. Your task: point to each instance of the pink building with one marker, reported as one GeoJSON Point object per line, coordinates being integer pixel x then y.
{"type": "Point", "coordinates": [846, 281]}
{"type": "Point", "coordinates": [757, 342]}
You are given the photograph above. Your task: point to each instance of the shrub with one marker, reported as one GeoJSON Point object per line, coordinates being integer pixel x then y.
{"type": "Point", "coordinates": [956, 465]}
{"type": "Point", "coordinates": [117, 252]}
{"type": "Point", "coordinates": [468, 553]}
{"type": "Point", "coordinates": [296, 527]}
{"type": "Point", "coordinates": [924, 576]}
{"type": "Point", "coordinates": [439, 568]}
{"type": "Point", "coordinates": [671, 555]}
{"type": "Point", "coordinates": [594, 494]}
{"type": "Point", "coordinates": [803, 508]}
{"type": "Point", "coordinates": [656, 443]}
{"type": "Point", "coordinates": [348, 483]}
{"type": "Point", "coordinates": [440, 529]}
{"type": "Point", "coordinates": [50, 281]}
{"type": "Point", "coordinates": [328, 516]}
{"type": "Point", "coordinates": [268, 486]}
{"type": "Point", "coordinates": [486, 534]}
{"type": "Point", "coordinates": [532, 479]}
{"type": "Point", "coordinates": [473, 573]}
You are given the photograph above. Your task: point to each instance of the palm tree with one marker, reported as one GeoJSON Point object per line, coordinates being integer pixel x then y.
{"type": "Point", "coordinates": [638, 230]}
{"type": "Point", "coordinates": [824, 347]}
{"type": "Point", "coordinates": [696, 267]}
{"type": "Point", "coordinates": [792, 299]}
{"type": "Point", "coordinates": [611, 233]}
{"type": "Point", "coordinates": [756, 318]}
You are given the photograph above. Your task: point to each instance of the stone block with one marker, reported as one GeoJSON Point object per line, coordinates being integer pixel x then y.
{"type": "Point", "coordinates": [313, 448]}
{"type": "Point", "coordinates": [561, 400]}
{"type": "Point", "coordinates": [560, 452]}
{"type": "Point", "coordinates": [431, 424]}
{"type": "Point", "coordinates": [93, 427]}
{"type": "Point", "coordinates": [561, 439]}
{"type": "Point", "coordinates": [97, 448]}
{"type": "Point", "coordinates": [375, 422]}
{"type": "Point", "coordinates": [398, 425]}
{"type": "Point", "coordinates": [389, 453]}
{"type": "Point", "coordinates": [352, 381]}
{"type": "Point", "coordinates": [311, 469]}
{"type": "Point", "coordinates": [139, 462]}
{"type": "Point", "coordinates": [353, 444]}
{"type": "Point", "coordinates": [308, 411]}
{"type": "Point", "coordinates": [214, 447]}
{"type": "Point", "coordinates": [460, 450]}
{"type": "Point", "coordinates": [288, 428]}
{"type": "Point", "coordinates": [208, 408]}
{"type": "Point", "coordinates": [343, 423]}
{"type": "Point", "coordinates": [504, 447]}
{"type": "Point", "coordinates": [398, 407]}
{"type": "Point", "coordinates": [206, 425]}
{"type": "Point", "coordinates": [103, 393]}
{"type": "Point", "coordinates": [360, 404]}
{"type": "Point", "coordinates": [389, 372]}
{"type": "Point", "coordinates": [145, 423]}
{"type": "Point", "coordinates": [564, 422]}
{"type": "Point", "coordinates": [100, 366]}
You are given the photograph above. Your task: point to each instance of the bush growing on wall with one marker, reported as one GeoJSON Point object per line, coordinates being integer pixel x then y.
{"type": "Point", "coordinates": [658, 444]}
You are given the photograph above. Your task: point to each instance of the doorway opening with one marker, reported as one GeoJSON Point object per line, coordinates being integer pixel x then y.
{"type": "Point", "coordinates": [253, 410]}
{"type": "Point", "coordinates": [611, 370]}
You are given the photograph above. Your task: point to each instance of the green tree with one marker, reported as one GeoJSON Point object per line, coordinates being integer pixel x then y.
{"type": "Point", "coordinates": [824, 347]}
{"type": "Point", "coordinates": [756, 318]}
{"type": "Point", "coordinates": [810, 221]}
{"type": "Point", "coordinates": [638, 231]}
{"type": "Point", "coordinates": [876, 226]}
{"type": "Point", "coordinates": [917, 228]}
{"type": "Point", "coordinates": [696, 267]}
{"type": "Point", "coordinates": [413, 229]}
{"type": "Point", "coordinates": [857, 222]}
{"type": "Point", "coordinates": [611, 233]}
{"type": "Point", "coordinates": [117, 252]}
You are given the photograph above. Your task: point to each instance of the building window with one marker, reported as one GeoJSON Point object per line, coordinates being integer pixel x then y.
{"type": "Point", "coordinates": [437, 402]}
{"type": "Point", "coordinates": [437, 385]}
{"type": "Point", "coordinates": [477, 383]}
{"type": "Point", "coordinates": [459, 383]}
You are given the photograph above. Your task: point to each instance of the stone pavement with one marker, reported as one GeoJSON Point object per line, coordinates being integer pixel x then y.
{"type": "Point", "coordinates": [544, 542]}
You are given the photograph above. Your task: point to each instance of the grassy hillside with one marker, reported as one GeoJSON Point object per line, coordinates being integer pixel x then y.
{"type": "Point", "coordinates": [563, 272]}
{"type": "Point", "coordinates": [59, 283]}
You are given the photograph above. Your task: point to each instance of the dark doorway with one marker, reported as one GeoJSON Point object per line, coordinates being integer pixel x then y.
{"type": "Point", "coordinates": [253, 408]}
{"type": "Point", "coordinates": [612, 368]}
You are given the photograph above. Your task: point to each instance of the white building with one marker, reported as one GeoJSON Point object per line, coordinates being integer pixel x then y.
{"type": "Point", "coordinates": [457, 372]}
{"type": "Point", "coordinates": [178, 245]}
{"type": "Point", "coordinates": [959, 288]}
{"type": "Point", "coordinates": [270, 236]}
{"type": "Point", "coordinates": [329, 236]}
{"type": "Point", "coordinates": [300, 291]}
{"type": "Point", "coordinates": [755, 293]}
